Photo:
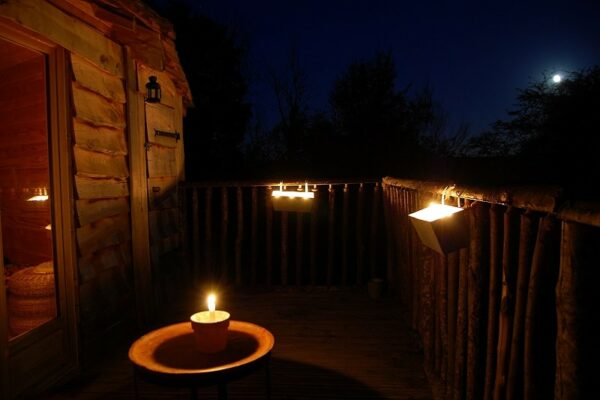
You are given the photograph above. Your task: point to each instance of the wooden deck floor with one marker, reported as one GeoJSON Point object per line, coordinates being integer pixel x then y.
{"type": "Point", "coordinates": [329, 344]}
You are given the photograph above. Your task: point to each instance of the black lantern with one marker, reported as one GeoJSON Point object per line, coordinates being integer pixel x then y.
{"type": "Point", "coordinates": [152, 90]}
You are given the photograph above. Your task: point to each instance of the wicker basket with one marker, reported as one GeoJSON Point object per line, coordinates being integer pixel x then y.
{"type": "Point", "coordinates": [35, 281]}
{"type": "Point", "coordinates": [20, 306]}
{"type": "Point", "coordinates": [18, 325]}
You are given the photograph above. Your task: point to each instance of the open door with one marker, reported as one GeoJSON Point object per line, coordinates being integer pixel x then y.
{"type": "Point", "coordinates": [37, 337]}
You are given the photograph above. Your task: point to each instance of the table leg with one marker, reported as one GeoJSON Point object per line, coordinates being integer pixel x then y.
{"type": "Point", "coordinates": [268, 377]}
{"type": "Point", "coordinates": [136, 394]}
{"type": "Point", "coordinates": [222, 391]}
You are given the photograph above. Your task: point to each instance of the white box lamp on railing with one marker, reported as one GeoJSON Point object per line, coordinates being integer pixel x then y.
{"type": "Point", "coordinates": [441, 227]}
{"type": "Point", "coordinates": [293, 200]}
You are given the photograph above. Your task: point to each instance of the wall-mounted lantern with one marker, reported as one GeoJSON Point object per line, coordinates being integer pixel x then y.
{"type": "Point", "coordinates": [153, 92]}
{"type": "Point", "coordinates": [441, 227]}
{"type": "Point", "coordinates": [300, 200]}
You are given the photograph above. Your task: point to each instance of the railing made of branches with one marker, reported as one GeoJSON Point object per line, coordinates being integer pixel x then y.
{"type": "Point", "coordinates": [513, 315]}
{"type": "Point", "coordinates": [233, 235]}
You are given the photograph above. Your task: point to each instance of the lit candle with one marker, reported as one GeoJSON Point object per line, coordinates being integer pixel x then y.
{"type": "Point", "coordinates": [210, 327]}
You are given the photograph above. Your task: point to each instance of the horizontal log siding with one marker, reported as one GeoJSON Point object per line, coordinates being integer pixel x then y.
{"type": "Point", "coordinates": [102, 203]}
{"type": "Point", "coordinates": [511, 315]}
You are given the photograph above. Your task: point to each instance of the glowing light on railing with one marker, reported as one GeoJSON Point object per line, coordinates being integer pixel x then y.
{"type": "Point", "coordinates": [435, 211]}
{"type": "Point", "coordinates": [294, 194]}
{"type": "Point", "coordinates": [440, 227]}
{"type": "Point", "coordinates": [48, 227]}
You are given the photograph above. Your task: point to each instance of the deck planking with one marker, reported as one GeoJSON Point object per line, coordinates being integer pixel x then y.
{"type": "Point", "coordinates": [329, 344]}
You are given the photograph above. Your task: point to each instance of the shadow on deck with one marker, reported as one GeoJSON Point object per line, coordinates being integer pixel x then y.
{"type": "Point", "coordinates": [329, 344]}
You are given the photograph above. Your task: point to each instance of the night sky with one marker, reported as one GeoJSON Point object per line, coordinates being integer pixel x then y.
{"type": "Point", "coordinates": [474, 56]}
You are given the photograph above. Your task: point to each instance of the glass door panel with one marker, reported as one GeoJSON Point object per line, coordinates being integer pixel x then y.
{"type": "Point", "coordinates": [25, 190]}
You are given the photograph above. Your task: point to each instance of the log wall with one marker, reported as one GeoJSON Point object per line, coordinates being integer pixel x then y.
{"type": "Point", "coordinates": [509, 316]}
{"type": "Point", "coordinates": [102, 199]}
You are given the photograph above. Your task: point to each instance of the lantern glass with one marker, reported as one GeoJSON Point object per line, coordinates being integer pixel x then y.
{"type": "Point", "coordinates": [153, 92]}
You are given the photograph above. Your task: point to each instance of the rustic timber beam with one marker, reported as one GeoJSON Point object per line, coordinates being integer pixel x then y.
{"type": "Point", "coordinates": [546, 199]}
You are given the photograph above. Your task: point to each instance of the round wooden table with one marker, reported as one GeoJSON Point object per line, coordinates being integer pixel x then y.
{"type": "Point", "coordinates": [168, 356]}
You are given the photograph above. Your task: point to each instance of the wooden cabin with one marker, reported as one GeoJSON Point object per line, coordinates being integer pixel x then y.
{"type": "Point", "coordinates": [88, 177]}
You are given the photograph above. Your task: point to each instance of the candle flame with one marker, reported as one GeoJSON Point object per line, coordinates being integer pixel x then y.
{"type": "Point", "coordinates": [212, 302]}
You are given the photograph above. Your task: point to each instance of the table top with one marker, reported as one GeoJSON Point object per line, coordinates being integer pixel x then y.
{"type": "Point", "coordinates": [172, 350]}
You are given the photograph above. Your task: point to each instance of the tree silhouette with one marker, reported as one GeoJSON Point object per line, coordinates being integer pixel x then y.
{"type": "Point", "coordinates": [554, 128]}
{"type": "Point", "coordinates": [212, 58]}
{"type": "Point", "coordinates": [378, 126]}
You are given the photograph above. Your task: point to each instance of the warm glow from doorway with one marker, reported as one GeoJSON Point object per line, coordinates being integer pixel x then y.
{"type": "Point", "coordinates": [43, 197]}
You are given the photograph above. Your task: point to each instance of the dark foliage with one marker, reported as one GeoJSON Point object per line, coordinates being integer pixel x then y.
{"type": "Point", "coordinates": [377, 127]}
{"type": "Point", "coordinates": [552, 134]}
{"type": "Point", "coordinates": [212, 58]}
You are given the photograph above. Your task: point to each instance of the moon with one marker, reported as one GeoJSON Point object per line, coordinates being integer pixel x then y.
{"type": "Point", "coordinates": [556, 78]}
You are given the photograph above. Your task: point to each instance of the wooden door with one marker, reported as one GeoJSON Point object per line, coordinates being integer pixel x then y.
{"type": "Point", "coordinates": [161, 155]}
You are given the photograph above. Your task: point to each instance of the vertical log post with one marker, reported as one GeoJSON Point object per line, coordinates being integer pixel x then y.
{"type": "Point", "coordinates": [576, 341]}
{"type": "Point", "coordinates": [514, 385]}
{"type": "Point", "coordinates": [427, 316]}
{"type": "Point", "coordinates": [239, 237]}
{"type": "Point", "coordinates": [452, 309]}
{"type": "Point", "coordinates": [437, 337]}
{"type": "Point", "coordinates": [373, 237]}
{"type": "Point", "coordinates": [313, 244]}
{"type": "Point", "coordinates": [208, 233]}
{"type": "Point", "coordinates": [345, 236]}
{"type": "Point", "coordinates": [224, 234]}
{"type": "Point", "coordinates": [443, 315]}
{"type": "Point", "coordinates": [299, 247]}
{"type": "Point", "coordinates": [360, 243]}
{"type": "Point", "coordinates": [478, 262]}
{"type": "Point", "coordinates": [509, 272]}
{"type": "Point", "coordinates": [461, 327]}
{"type": "Point", "coordinates": [331, 236]}
{"type": "Point", "coordinates": [388, 207]}
{"type": "Point", "coordinates": [493, 299]}
{"type": "Point", "coordinates": [539, 354]}
{"type": "Point", "coordinates": [269, 234]}
{"type": "Point", "coordinates": [195, 235]}
{"type": "Point", "coordinates": [284, 248]}
{"type": "Point", "coordinates": [253, 236]}
{"type": "Point", "coordinates": [185, 233]}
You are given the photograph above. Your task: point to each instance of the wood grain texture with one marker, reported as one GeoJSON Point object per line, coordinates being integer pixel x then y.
{"type": "Point", "coordinates": [97, 110]}
{"type": "Point", "coordinates": [93, 78]}
{"type": "Point", "coordinates": [162, 118]}
{"type": "Point", "coordinates": [99, 139]}
{"type": "Point", "coordinates": [89, 188]}
{"type": "Point", "coordinates": [103, 233]}
{"type": "Point", "coordinates": [89, 211]}
{"type": "Point", "coordinates": [100, 165]}
{"type": "Point", "coordinates": [67, 31]}
{"type": "Point", "coordinates": [162, 161]}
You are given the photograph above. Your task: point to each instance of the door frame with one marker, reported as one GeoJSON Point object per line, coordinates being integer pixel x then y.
{"type": "Point", "coordinates": [64, 326]}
